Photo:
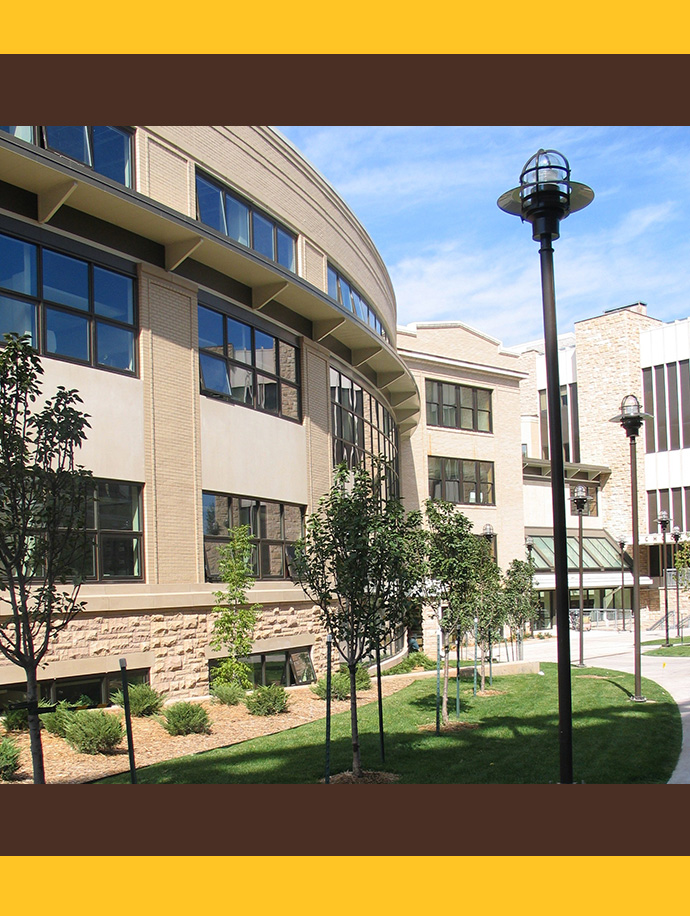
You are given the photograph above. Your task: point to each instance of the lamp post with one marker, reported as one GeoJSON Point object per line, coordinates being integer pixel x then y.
{"type": "Point", "coordinates": [546, 196]}
{"type": "Point", "coordinates": [631, 419]}
{"type": "Point", "coordinates": [621, 544]}
{"type": "Point", "coordinates": [675, 534]}
{"type": "Point", "coordinates": [663, 521]}
{"type": "Point", "coordinates": [579, 501]}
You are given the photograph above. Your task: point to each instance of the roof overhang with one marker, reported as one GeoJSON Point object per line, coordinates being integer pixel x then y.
{"type": "Point", "coordinates": [540, 469]}
{"type": "Point", "coordinates": [57, 180]}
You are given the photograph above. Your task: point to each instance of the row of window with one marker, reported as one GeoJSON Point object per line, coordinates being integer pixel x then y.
{"type": "Point", "coordinates": [70, 308]}
{"type": "Point", "coordinates": [106, 150]}
{"type": "Point", "coordinates": [456, 480]}
{"type": "Point", "coordinates": [458, 406]}
{"type": "Point", "coordinates": [288, 668]}
{"type": "Point", "coordinates": [84, 690]}
{"type": "Point", "coordinates": [667, 399]}
{"type": "Point", "coordinates": [363, 429]}
{"type": "Point", "coordinates": [570, 423]}
{"type": "Point", "coordinates": [345, 293]}
{"type": "Point", "coordinates": [675, 502]}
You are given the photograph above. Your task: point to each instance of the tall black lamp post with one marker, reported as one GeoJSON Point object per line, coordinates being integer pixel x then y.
{"type": "Point", "coordinates": [675, 534]}
{"type": "Point", "coordinates": [621, 543]}
{"type": "Point", "coordinates": [631, 419]}
{"type": "Point", "coordinates": [546, 196]}
{"type": "Point", "coordinates": [664, 522]}
{"type": "Point", "coordinates": [580, 499]}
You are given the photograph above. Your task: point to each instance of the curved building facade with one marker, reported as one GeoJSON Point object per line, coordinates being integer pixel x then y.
{"type": "Point", "coordinates": [231, 330]}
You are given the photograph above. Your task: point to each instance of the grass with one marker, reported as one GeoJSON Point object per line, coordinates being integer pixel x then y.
{"type": "Point", "coordinates": [677, 648]}
{"type": "Point", "coordinates": [508, 736]}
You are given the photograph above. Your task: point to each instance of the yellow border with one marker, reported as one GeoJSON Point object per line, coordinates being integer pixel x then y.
{"type": "Point", "coordinates": [346, 885]}
{"type": "Point", "coordinates": [355, 27]}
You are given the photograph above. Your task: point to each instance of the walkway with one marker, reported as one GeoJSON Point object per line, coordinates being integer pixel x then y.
{"type": "Point", "coordinates": [608, 649]}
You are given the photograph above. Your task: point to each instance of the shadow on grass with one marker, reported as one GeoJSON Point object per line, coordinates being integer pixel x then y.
{"type": "Point", "coordinates": [613, 742]}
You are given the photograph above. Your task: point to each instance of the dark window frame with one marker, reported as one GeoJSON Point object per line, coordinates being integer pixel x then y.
{"type": "Point", "coordinates": [357, 304]}
{"type": "Point", "coordinates": [256, 370]}
{"type": "Point", "coordinates": [253, 209]}
{"type": "Point", "coordinates": [259, 543]}
{"type": "Point", "coordinates": [97, 534]}
{"type": "Point", "coordinates": [460, 479]}
{"type": "Point", "coordinates": [437, 401]}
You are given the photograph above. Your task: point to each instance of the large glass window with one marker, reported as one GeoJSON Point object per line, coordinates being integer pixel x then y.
{"type": "Point", "coordinates": [458, 406]}
{"type": "Point", "coordinates": [106, 150]}
{"type": "Point", "coordinates": [459, 481]}
{"type": "Point", "coordinates": [284, 666]}
{"type": "Point", "coordinates": [72, 309]}
{"type": "Point", "coordinates": [344, 293]}
{"type": "Point", "coordinates": [239, 220]}
{"type": "Point", "coordinates": [273, 526]}
{"type": "Point", "coordinates": [363, 429]}
{"type": "Point", "coordinates": [570, 423]}
{"type": "Point", "coordinates": [114, 531]}
{"type": "Point", "coordinates": [248, 366]}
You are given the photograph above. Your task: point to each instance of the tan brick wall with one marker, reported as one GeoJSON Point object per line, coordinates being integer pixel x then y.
{"type": "Point", "coordinates": [316, 408]}
{"type": "Point", "coordinates": [170, 375]}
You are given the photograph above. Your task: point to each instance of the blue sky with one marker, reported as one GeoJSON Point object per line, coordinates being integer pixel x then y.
{"type": "Point", "coordinates": [427, 197]}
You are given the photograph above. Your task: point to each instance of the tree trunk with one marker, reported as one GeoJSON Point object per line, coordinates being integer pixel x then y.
{"type": "Point", "coordinates": [446, 672]}
{"type": "Point", "coordinates": [356, 759]}
{"type": "Point", "coordinates": [483, 669]}
{"type": "Point", "coordinates": [35, 728]}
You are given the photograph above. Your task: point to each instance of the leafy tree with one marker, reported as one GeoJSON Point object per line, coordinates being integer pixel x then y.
{"type": "Point", "coordinates": [453, 554]}
{"type": "Point", "coordinates": [521, 601]}
{"type": "Point", "coordinates": [43, 544]}
{"type": "Point", "coordinates": [235, 621]}
{"type": "Point", "coordinates": [359, 561]}
{"type": "Point", "coordinates": [489, 603]}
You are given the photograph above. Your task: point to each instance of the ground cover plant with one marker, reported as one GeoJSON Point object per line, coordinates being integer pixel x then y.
{"type": "Point", "coordinates": [143, 700]}
{"type": "Point", "coordinates": [185, 718]}
{"type": "Point", "coordinates": [506, 735]}
{"type": "Point", "coordinates": [9, 758]}
{"type": "Point", "coordinates": [267, 701]}
{"type": "Point", "coordinates": [94, 731]}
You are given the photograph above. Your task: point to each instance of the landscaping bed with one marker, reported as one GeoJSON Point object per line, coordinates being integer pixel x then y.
{"type": "Point", "coordinates": [152, 744]}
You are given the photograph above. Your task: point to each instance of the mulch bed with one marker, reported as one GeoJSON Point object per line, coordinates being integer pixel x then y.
{"type": "Point", "coordinates": [152, 744]}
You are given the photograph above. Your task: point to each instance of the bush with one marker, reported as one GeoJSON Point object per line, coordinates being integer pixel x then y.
{"type": "Point", "coordinates": [267, 701]}
{"type": "Point", "coordinates": [9, 758]}
{"type": "Point", "coordinates": [227, 694]}
{"type": "Point", "coordinates": [410, 662]}
{"type": "Point", "coordinates": [185, 718]}
{"type": "Point", "coordinates": [340, 686]}
{"type": "Point", "coordinates": [143, 700]}
{"type": "Point", "coordinates": [93, 731]}
{"type": "Point", "coordinates": [16, 720]}
{"type": "Point", "coordinates": [362, 677]}
{"type": "Point", "coordinates": [56, 722]}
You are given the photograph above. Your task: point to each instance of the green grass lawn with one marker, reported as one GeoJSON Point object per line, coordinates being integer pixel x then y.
{"type": "Point", "coordinates": [677, 648]}
{"type": "Point", "coordinates": [510, 736]}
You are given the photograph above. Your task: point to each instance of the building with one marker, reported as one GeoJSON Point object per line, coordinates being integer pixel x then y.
{"type": "Point", "coordinates": [231, 329]}
{"type": "Point", "coordinates": [624, 351]}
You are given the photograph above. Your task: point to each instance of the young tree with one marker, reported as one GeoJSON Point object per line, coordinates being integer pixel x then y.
{"type": "Point", "coordinates": [235, 621]}
{"type": "Point", "coordinates": [489, 603]}
{"type": "Point", "coordinates": [453, 562]}
{"type": "Point", "coordinates": [521, 601]}
{"type": "Point", "coordinates": [43, 545]}
{"type": "Point", "coordinates": [359, 561]}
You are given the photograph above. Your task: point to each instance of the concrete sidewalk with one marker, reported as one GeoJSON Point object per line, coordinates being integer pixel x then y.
{"type": "Point", "coordinates": [609, 649]}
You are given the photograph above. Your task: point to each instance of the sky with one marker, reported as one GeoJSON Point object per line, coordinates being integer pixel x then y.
{"type": "Point", "coordinates": [427, 197]}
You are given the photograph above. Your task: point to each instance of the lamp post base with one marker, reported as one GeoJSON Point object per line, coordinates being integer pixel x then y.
{"type": "Point", "coordinates": [639, 699]}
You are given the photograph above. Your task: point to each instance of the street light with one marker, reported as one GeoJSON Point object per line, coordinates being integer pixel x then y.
{"type": "Point", "coordinates": [675, 534]}
{"type": "Point", "coordinates": [546, 196]}
{"type": "Point", "coordinates": [529, 545]}
{"type": "Point", "coordinates": [579, 501]}
{"type": "Point", "coordinates": [621, 544]}
{"type": "Point", "coordinates": [631, 419]}
{"type": "Point", "coordinates": [664, 522]}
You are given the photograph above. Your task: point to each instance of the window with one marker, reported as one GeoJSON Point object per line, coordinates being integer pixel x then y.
{"type": "Point", "coordinates": [72, 309]}
{"type": "Point", "coordinates": [84, 690]}
{"type": "Point", "coordinates": [273, 526]}
{"type": "Point", "coordinates": [106, 150]}
{"type": "Point", "coordinates": [570, 423]}
{"type": "Point", "coordinates": [286, 667]}
{"type": "Point", "coordinates": [458, 406]}
{"type": "Point", "coordinates": [114, 531]}
{"type": "Point", "coordinates": [248, 366]}
{"type": "Point", "coordinates": [239, 220]}
{"type": "Point", "coordinates": [363, 429]}
{"type": "Point", "coordinates": [459, 481]}
{"type": "Point", "coordinates": [344, 293]}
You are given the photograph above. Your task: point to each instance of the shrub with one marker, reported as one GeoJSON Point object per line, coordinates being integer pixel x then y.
{"type": "Point", "coordinates": [185, 718]}
{"type": "Point", "coordinates": [143, 700]}
{"type": "Point", "coordinates": [56, 722]}
{"type": "Point", "coordinates": [9, 758]}
{"type": "Point", "coordinates": [267, 701]}
{"type": "Point", "coordinates": [16, 720]}
{"type": "Point", "coordinates": [340, 686]}
{"type": "Point", "coordinates": [93, 731]}
{"type": "Point", "coordinates": [227, 694]}
{"type": "Point", "coordinates": [410, 662]}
